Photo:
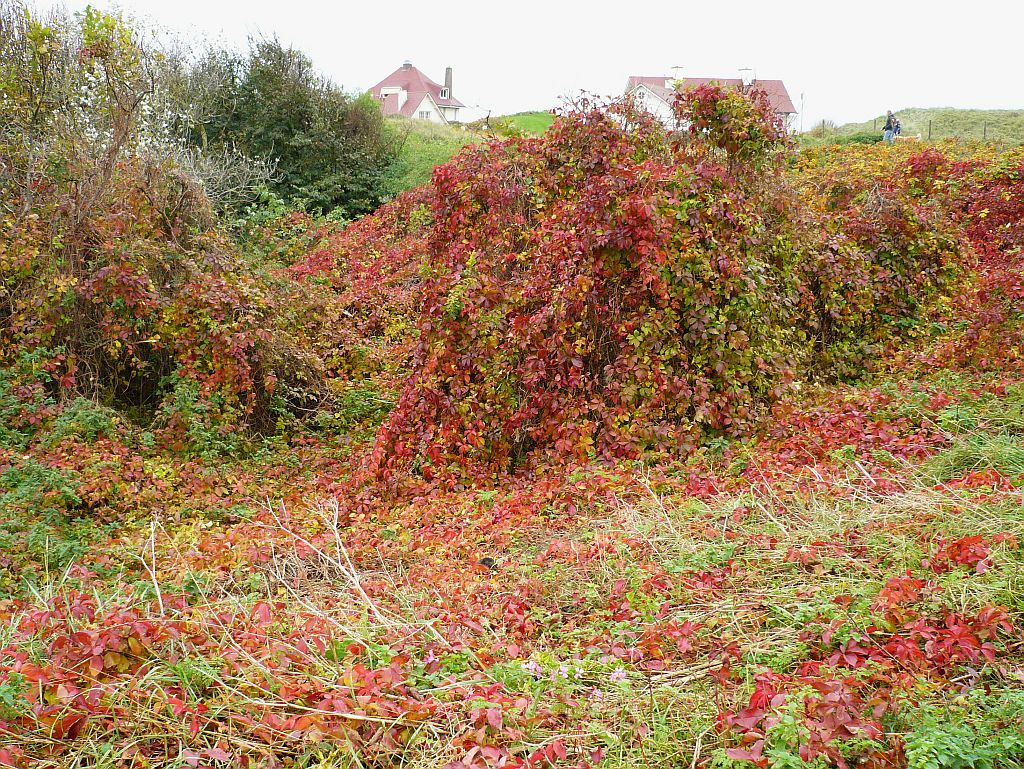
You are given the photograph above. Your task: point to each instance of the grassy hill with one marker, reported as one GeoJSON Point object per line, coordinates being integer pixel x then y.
{"type": "Point", "coordinates": [422, 147]}
{"type": "Point", "coordinates": [1005, 126]}
{"type": "Point", "coordinates": [520, 124]}
{"type": "Point", "coordinates": [531, 123]}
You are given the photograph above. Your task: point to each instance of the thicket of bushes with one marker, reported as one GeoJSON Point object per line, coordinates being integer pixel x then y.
{"type": "Point", "coordinates": [610, 289]}
{"type": "Point", "coordinates": [116, 282]}
{"type": "Point", "coordinates": [321, 148]}
{"type": "Point", "coordinates": [607, 289]}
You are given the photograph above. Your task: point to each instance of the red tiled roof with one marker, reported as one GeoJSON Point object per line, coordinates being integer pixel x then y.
{"type": "Point", "coordinates": [417, 85]}
{"type": "Point", "coordinates": [778, 96]}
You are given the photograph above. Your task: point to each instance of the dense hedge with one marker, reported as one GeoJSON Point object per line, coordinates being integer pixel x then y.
{"type": "Point", "coordinates": [329, 150]}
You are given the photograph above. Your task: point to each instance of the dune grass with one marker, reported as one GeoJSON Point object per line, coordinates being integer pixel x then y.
{"type": "Point", "coordinates": [1004, 126]}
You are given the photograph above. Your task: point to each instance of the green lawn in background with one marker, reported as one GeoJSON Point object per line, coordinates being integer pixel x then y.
{"type": "Point", "coordinates": [532, 123]}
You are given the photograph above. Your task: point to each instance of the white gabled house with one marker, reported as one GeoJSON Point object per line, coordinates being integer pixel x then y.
{"type": "Point", "coordinates": [657, 94]}
{"type": "Point", "coordinates": [654, 94]}
{"type": "Point", "coordinates": [409, 92]}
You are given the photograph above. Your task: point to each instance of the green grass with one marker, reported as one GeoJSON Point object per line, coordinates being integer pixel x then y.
{"type": "Point", "coordinates": [530, 123]}
{"type": "Point", "coordinates": [1005, 126]}
{"type": "Point", "coordinates": [1004, 453]}
{"type": "Point", "coordinates": [422, 147]}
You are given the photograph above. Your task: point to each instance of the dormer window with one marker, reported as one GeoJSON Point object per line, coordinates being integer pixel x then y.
{"type": "Point", "coordinates": [445, 93]}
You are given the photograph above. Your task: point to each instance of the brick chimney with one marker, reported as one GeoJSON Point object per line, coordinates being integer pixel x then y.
{"type": "Point", "coordinates": [448, 81]}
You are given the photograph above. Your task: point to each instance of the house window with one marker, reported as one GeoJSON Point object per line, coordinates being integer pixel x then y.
{"type": "Point", "coordinates": [444, 93]}
{"type": "Point", "coordinates": [424, 114]}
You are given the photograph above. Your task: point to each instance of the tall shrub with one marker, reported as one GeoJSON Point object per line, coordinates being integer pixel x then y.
{"type": "Point", "coordinates": [329, 149]}
{"type": "Point", "coordinates": [114, 278]}
{"type": "Point", "coordinates": [602, 290]}
{"type": "Point", "coordinates": [611, 289]}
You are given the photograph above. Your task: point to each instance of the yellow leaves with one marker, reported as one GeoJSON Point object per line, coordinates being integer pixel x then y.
{"type": "Point", "coordinates": [116, 661]}
{"type": "Point", "coordinates": [161, 469]}
{"type": "Point", "coordinates": [137, 647]}
{"type": "Point", "coordinates": [62, 283]}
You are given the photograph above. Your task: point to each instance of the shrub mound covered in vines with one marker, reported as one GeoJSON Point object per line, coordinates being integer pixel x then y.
{"type": "Point", "coordinates": [612, 288]}
{"type": "Point", "coordinates": [917, 195]}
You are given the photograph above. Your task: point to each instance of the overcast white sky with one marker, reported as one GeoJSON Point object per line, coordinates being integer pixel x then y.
{"type": "Point", "coordinates": [844, 61]}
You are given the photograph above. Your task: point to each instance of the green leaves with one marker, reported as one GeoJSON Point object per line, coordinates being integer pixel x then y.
{"type": "Point", "coordinates": [976, 730]}
{"type": "Point", "coordinates": [328, 149]}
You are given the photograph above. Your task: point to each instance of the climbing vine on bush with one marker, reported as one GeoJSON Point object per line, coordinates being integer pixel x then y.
{"type": "Point", "coordinates": [610, 289]}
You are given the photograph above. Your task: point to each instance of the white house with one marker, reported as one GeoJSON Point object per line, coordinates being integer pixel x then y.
{"type": "Point", "coordinates": [656, 94]}
{"type": "Point", "coordinates": [409, 92]}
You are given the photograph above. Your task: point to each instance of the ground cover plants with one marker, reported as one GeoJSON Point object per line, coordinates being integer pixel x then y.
{"type": "Point", "coordinates": [607, 448]}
